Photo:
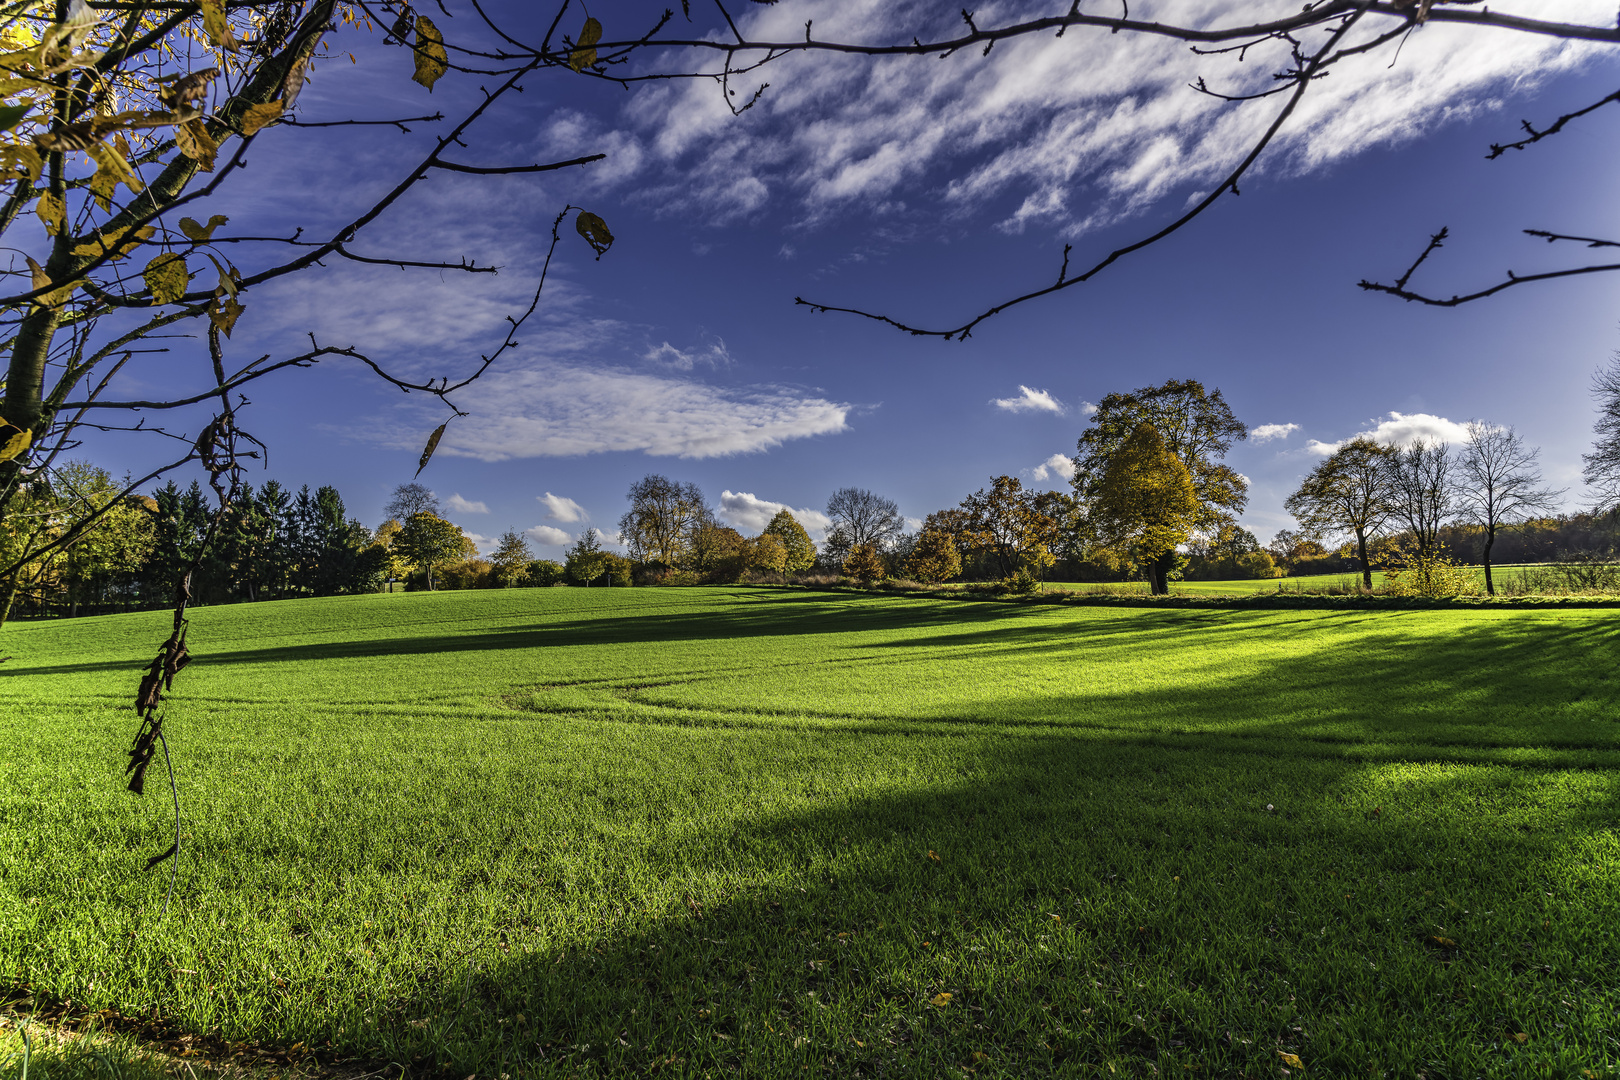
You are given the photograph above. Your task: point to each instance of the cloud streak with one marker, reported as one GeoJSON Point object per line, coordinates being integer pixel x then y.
{"type": "Point", "coordinates": [1401, 429]}
{"type": "Point", "coordinates": [747, 513]}
{"type": "Point", "coordinates": [1068, 133]}
{"type": "Point", "coordinates": [1268, 432]}
{"type": "Point", "coordinates": [1030, 400]}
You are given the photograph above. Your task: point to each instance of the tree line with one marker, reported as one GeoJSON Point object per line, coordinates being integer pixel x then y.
{"type": "Point", "coordinates": [1151, 497]}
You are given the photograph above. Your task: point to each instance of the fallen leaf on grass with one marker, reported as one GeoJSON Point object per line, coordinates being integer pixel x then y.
{"type": "Point", "coordinates": [1291, 1060]}
{"type": "Point", "coordinates": [933, 856]}
{"type": "Point", "coordinates": [1521, 1037]}
{"type": "Point", "coordinates": [940, 1000]}
{"type": "Point", "coordinates": [1443, 942]}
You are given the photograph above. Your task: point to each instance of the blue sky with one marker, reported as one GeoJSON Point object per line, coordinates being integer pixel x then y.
{"type": "Point", "coordinates": [925, 189]}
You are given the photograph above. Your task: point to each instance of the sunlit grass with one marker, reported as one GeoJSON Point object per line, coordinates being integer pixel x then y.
{"type": "Point", "coordinates": [769, 832]}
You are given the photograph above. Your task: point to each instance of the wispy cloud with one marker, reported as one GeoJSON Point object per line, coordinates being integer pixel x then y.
{"type": "Point", "coordinates": [561, 409]}
{"type": "Point", "coordinates": [1401, 429]}
{"type": "Point", "coordinates": [1066, 133]}
{"type": "Point", "coordinates": [1030, 400]}
{"type": "Point", "coordinates": [748, 513]}
{"type": "Point", "coordinates": [1268, 432]}
{"type": "Point", "coordinates": [712, 355]}
{"type": "Point", "coordinates": [548, 536]}
{"type": "Point", "coordinates": [559, 508]}
{"type": "Point", "coordinates": [1056, 465]}
{"type": "Point", "coordinates": [457, 505]}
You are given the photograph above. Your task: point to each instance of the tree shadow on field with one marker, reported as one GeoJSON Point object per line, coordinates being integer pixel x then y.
{"type": "Point", "coordinates": [790, 615]}
{"type": "Point", "coordinates": [1053, 905]}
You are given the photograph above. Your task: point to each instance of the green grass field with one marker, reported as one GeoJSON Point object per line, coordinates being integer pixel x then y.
{"type": "Point", "coordinates": [776, 833]}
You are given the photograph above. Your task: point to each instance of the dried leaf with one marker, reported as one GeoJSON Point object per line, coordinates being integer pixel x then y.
{"type": "Point", "coordinates": [1291, 1060]}
{"type": "Point", "coordinates": [1443, 942]}
{"type": "Point", "coordinates": [934, 856]}
{"type": "Point", "coordinates": [217, 26]}
{"type": "Point", "coordinates": [111, 170]}
{"type": "Point", "coordinates": [401, 30]}
{"type": "Point", "coordinates": [40, 279]}
{"type": "Point", "coordinates": [13, 439]}
{"type": "Point", "coordinates": [80, 136]}
{"type": "Point", "coordinates": [293, 85]}
{"type": "Point", "coordinates": [939, 1001]}
{"type": "Point", "coordinates": [1521, 1037]}
{"type": "Point", "coordinates": [595, 232]}
{"type": "Point", "coordinates": [227, 281]}
{"type": "Point", "coordinates": [168, 278]}
{"type": "Point", "coordinates": [203, 233]}
{"type": "Point", "coordinates": [187, 89]}
{"type": "Point", "coordinates": [51, 212]}
{"type": "Point", "coordinates": [432, 444]}
{"type": "Point", "coordinates": [431, 59]}
{"type": "Point", "coordinates": [225, 312]}
{"type": "Point", "coordinates": [584, 54]}
{"type": "Point", "coordinates": [195, 142]}
{"type": "Point", "coordinates": [257, 116]}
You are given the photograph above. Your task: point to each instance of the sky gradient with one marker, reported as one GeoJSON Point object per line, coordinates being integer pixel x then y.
{"type": "Point", "coordinates": [926, 189]}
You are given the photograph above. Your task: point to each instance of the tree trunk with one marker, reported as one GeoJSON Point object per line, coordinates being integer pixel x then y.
{"type": "Point", "coordinates": [9, 596]}
{"type": "Point", "coordinates": [1361, 552]}
{"type": "Point", "coordinates": [1490, 538]}
{"type": "Point", "coordinates": [1158, 574]}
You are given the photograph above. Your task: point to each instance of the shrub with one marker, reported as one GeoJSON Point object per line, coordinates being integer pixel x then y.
{"type": "Point", "coordinates": [1433, 575]}
{"type": "Point", "coordinates": [542, 573]}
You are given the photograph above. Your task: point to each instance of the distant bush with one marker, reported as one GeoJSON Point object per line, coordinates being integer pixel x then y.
{"type": "Point", "coordinates": [541, 573]}
{"type": "Point", "coordinates": [1429, 575]}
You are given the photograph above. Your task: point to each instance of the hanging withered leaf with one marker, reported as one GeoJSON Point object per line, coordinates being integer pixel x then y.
{"type": "Point", "coordinates": [293, 84]}
{"type": "Point", "coordinates": [584, 54]}
{"type": "Point", "coordinates": [431, 59]}
{"type": "Point", "coordinates": [13, 439]}
{"type": "Point", "coordinates": [80, 136]}
{"type": "Point", "coordinates": [195, 143]}
{"type": "Point", "coordinates": [595, 232]}
{"type": "Point", "coordinates": [257, 116]}
{"type": "Point", "coordinates": [227, 280]}
{"type": "Point", "coordinates": [12, 115]}
{"type": "Point", "coordinates": [52, 212]}
{"type": "Point", "coordinates": [432, 445]}
{"type": "Point", "coordinates": [400, 32]}
{"type": "Point", "coordinates": [203, 233]}
{"type": "Point", "coordinates": [225, 312]}
{"type": "Point", "coordinates": [181, 91]}
{"type": "Point", "coordinates": [167, 277]}
{"type": "Point", "coordinates": [111, 170]}
{"type": "Point", "coordinates": [217, 26]}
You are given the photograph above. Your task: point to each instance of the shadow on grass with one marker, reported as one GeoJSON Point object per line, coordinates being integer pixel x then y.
{"type": "Point", "coordinates": [1071, 905]}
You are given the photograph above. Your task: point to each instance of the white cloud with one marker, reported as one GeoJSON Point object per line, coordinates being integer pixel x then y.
{"type": "Point", "coordinates": [713, 355]}
{"type": "Point", "coordinates": [485, 544]}
{"type": "Point", "coordinates": [1267, 432]}
{"type": "Point", "coordinates": [1401, 429]}
{"type": "Point", "coordinates": [548, 536]}
{"type": "Point", "coordinates": [457, 505]}
{"type": "Point", "coordinates": [1088, 409]}
{"type": "Point", "coordinates": [1069, 133]}
{"type": "Point", "coordinates": [1056, 465]}
{"type": "Point", "coordinates": [609, 539]}
{"type": "Point", "coordinates": [1029, 400]}
{"type": "Point", "coordinates": [749, 514]}
{"type": "Point", "coordinates": [561, 509]}
{"type": "Point", "coordinates": [553, 409]}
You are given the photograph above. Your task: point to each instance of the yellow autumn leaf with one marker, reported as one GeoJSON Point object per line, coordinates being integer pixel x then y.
{"type": "Point", "coordinates": [225, 313]}
{"type": "Point", "coordinates": [257, 116]}
{"type": "Point", "coordinates": [227, 282]}
{"type": "Point", "coordinates": [1521, 1037]}
{"type": "Point", "coordinates": [933, 855]}
{"type": "Point", "coordinates": [13, 439]}
{"type": "Point", "coordinates": [167, 277]}
{"type": "Point", "coordinates": [118, 243]}
{"type": "Point", "coordinates": [427, 454]}
{"type": "Point", "coordinates": [431, 59]}
{"type": "Point", "coordinates": [217, 26]}
{"type": "Point", "coordinates": [52, 213]}
{"type": "Point", "coordinates": [112, 169]}
{"type": "Point", "coordinates": [584, 55]}
{"type": "Point", "coordinates": [194, 141]}
{"type": "Point", "coordinates": [1291, 1060]}
{"type": "Point", "coordinates": [595, 232]}
{"type": "Point", "coordinates": [39, 279]}
{"type": "Point", "coordinates": [203, 233]}
{"type": "Point", "coordinates": [21, 158]}
{"type": "Point", "coordinates": [939, 1001]}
